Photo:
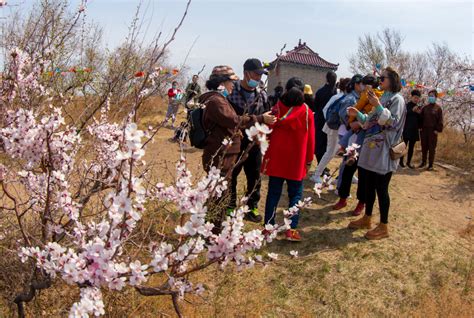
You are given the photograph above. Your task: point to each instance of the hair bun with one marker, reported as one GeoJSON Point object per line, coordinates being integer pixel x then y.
{"type": "Point", "coordinates": [293, 97]}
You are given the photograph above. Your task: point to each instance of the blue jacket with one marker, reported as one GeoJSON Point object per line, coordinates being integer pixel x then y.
{"type": "Point", "coordinates": [348, 101]}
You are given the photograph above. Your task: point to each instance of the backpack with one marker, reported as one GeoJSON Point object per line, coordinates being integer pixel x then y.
{"type": "Point", "coordinates": [181, 132]}
{"type": "Point", "coordinates": [332, 114]}
{"type": "Point", "coordinates": [197, 133]}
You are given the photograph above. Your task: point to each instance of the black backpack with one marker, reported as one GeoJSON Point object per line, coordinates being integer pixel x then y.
{"type": "Point", "coordinates": [197, 133]}
{"type": "Point", "coordinates": [332, 114]}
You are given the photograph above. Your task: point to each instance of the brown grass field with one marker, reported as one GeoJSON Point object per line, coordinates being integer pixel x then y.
{"type": "Point", "coordinates": [423, 270]}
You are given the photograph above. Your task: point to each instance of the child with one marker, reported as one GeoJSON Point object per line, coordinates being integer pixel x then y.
{"type": "Point", "coordinates": [362, 105]}
{"type": "Point", "coordinates": [174, 98]}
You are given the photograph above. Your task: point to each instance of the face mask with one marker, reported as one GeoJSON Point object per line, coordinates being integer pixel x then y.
{"type": "Point", "coordinates": [252, 83]}
{"type": "Point", "coordinates": [174, 86]}
{"type": "Point", "coordinates": [225, 92]}
{"type": "Point", "coordinates": [431, 99]}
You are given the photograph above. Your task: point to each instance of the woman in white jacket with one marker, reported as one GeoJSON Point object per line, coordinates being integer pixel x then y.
{"type": "Point", "coordinates": [333, 134]}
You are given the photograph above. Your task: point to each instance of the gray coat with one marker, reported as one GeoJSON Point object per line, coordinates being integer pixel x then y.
{"type": "Point", "coordinates": [382, 135]}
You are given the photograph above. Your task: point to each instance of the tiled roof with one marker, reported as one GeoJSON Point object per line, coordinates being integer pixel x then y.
{"type": "Point", "coordinates": [303, 55]}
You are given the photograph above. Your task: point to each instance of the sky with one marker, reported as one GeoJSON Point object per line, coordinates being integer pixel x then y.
{"type": "Point", "coordinates": [230, 31]}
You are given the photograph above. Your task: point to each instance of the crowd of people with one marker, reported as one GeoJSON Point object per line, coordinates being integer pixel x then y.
{"type": "Point", "coordinates": [363, 119]}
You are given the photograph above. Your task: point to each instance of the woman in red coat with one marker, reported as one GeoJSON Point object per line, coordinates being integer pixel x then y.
{"type": "Point", "coordinates": [290, 153]}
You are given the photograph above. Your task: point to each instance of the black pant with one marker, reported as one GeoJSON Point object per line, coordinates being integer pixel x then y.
{"type": "Point", "coordinates": [321, 144]}
{"type": "Point", "coordinates": [377, 184]}
{"type": "Point", "coordinates": [429, 140]}
{"type": "Point", "coordinates": [411, 147]}
{"type": "Point", "coordinates": [347, 175]}
{"type": "Point", "coordinates": [251, 166]}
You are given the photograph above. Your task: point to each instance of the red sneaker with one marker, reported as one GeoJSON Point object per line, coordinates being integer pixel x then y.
{"type": "Point", "coordinates": [293, 235]}
{"type": "Point", "coordinates": [359, 208]}
{"type": "Point", "coordinates": [342, 203]}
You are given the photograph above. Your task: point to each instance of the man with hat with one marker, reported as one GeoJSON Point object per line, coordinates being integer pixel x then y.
{"type": "Point", "coordinates": [248, 98]}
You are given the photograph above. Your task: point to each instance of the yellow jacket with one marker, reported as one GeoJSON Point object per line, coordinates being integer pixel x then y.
{"type": "Point", "coordinates": [363, 104]}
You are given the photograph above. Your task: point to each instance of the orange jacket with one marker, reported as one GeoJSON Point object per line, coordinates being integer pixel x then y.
{"type": "Point", "coordinates": [363, 104]}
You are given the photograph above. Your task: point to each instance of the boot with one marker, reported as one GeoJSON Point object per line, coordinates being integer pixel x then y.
{"type": "Point", "coordinates": [380, 232]}
{"type": "Point", "coordinates": [364, 222]}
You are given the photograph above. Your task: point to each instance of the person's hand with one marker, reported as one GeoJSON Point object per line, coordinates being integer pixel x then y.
{"type": "Point", "coordinates": [373, 99]}
{"type": "Point", "coordinates": [268, 118]}
{"type": "Point", "coordinates": [352, 111]}
{"type": "Point", "coordinates": [435, 132]}
{"type": "Point", "coordinates": [417, 109]}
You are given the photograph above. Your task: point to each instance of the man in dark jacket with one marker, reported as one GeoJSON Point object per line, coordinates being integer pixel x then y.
{"type": "Point", "coordinates": [411, 132]}
{"type": "Point", "coordinates": [320, 100]}
{"type": "Point", "coordinates": [431, 124]}
{"type": "Point", "coordinates": [248, 98]}
{"type": "Point", "coordinates": [193, 90]}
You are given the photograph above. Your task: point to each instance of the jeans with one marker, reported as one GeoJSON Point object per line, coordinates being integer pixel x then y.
{"type": "Point", "coordinates": [275, 187]}
{"type": "Point", "coordinates": [346, 138]}
{"type": "Point", "coordinates": [331, 150]}
{"type": "Point", "coordinates": [171, 112]}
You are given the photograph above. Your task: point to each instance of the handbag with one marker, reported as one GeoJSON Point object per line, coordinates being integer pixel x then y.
{"type": "Point", "coordinates": [398, 151]}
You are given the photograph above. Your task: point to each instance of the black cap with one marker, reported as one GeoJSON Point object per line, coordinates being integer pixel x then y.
{"type": "Point", "coordinates": [356, 79]}
{"type": "Point", "coordinates": [255, 65]}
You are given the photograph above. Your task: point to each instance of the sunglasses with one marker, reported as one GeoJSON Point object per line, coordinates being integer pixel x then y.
{"type": "Point", "coordinates": [382, 78]}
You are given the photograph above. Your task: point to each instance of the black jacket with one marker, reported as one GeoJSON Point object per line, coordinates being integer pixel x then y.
{"type": "Point", "coordinates": [322, 96]}
{"type": "Point", "coordinates": [410, 131]}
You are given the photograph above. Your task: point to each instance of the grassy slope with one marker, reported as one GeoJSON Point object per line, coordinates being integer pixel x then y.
{"type": "Point", "coordinates": [424, 269]}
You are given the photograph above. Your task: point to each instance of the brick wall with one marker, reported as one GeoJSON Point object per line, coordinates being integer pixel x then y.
{"type": "Point", "coordinates": [316, 77]}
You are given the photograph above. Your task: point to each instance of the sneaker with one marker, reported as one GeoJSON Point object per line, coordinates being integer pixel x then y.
{"type": "Point", "coordinates": [359, 208]}
{"type": "Point", "coordinates": [422, 165]}
{"type": "Point", "coordinates": [430, 168]}
{"type": "Point", "coordinates": [293, 235]}
{"type": "Point", "coordinates": [409, 165]}
{"type": "Point", "coordinates": [402, 164]}
{"type": "Point", "coordinates": [253, 216]}
{"type": "Point", "coordinates": [341, 204]}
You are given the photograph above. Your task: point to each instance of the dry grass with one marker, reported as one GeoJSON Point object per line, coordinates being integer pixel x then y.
{"type": "Point", "coordinates": [453, 149]}
{"type": "Point", "coordinates": [423, 270]}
